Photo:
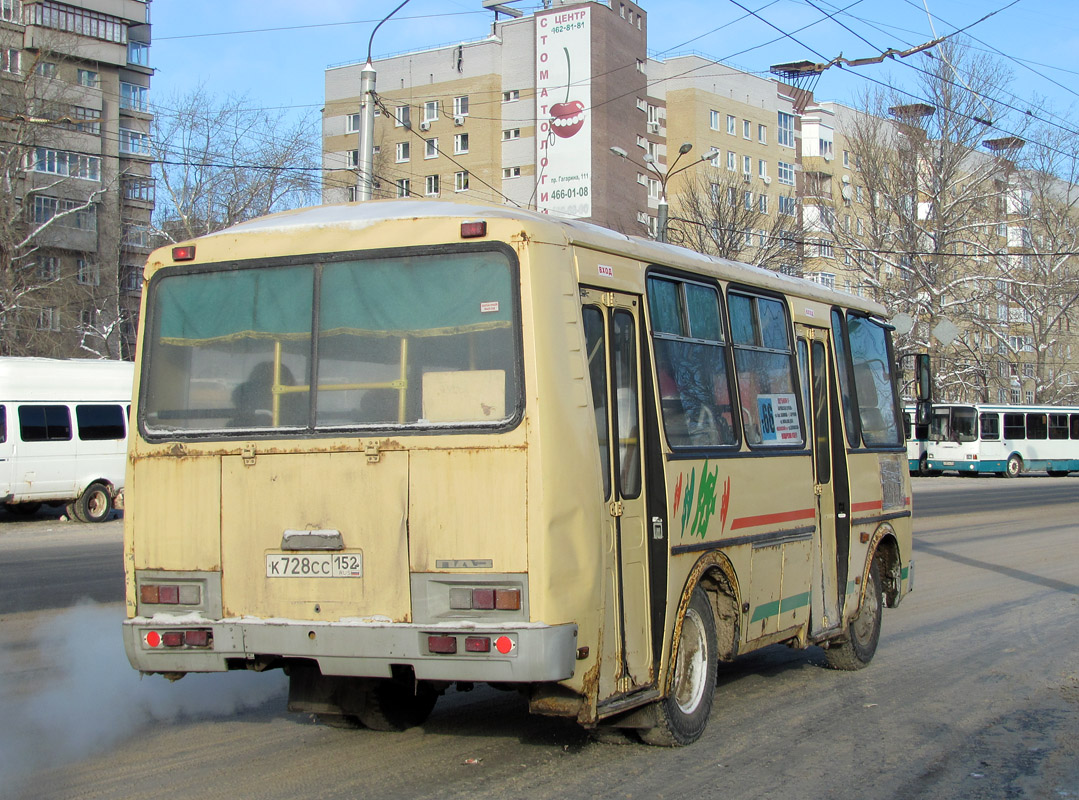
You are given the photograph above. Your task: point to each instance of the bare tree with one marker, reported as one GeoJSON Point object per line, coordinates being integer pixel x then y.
{"type": "Point", "coordinates": [924, 227]}
{"type": "Point", "coordinates": [717, 213]}
{"type": "Point", "coordinates": [223, 162]}
{"type": "Point", "coordinates": [51, 185]}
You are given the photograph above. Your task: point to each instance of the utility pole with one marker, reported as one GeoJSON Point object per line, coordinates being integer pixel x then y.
{"type": "Point", "coordinates": [365, 160]}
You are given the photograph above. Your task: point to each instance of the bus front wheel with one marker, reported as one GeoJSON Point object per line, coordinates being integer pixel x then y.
{"type": "Point", "coordinates": [863, 632]}
{"type": "Point", "coordinates": [1013, 467]}
{"type": "Point", "coordinates": [682, 716]}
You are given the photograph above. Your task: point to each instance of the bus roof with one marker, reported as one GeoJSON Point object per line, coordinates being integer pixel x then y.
{"type": "Point", "coordinates": [65, 380]}
{"type": "Point", "coordinates": [359, 216]}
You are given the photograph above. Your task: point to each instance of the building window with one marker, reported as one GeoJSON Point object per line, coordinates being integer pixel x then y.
{"type": "Point", "coordinates": [785, 125]}
{"type": "Point", "coordinates": [460, 143]}
{"type": "Point", "coordinates": [75, 216]}
{"type": "Point", "coordinates": [134, 97]}
{"type": "Point", "coordinates": [747, 165]}
{"type": "Point", "coordinates": [820, 248]}
{"type": "Point", "coordinates": [460, 106]}
{"type": "Point", "coordinates": [858, 195]}
{"type": "Point", "coordinates": [512, 96]}
{"type": "Point", "coordinates": [48, 269]}
{"type": "Point", "coordinates": [403, 151]}
{"type": "Point", "coordinates": [402, 117]}
{"type": "Point", "coordinates": [762, 168]}
{"type": "Point", "coordinates": [138, 53]}
{"type": "Point", "coordinates": [9, 60]}
{"type": "Point", "coordinates": [460, 181]}
{"type": "Point", "coordinates": [130, 278]}
{"type": "Point", "coordinates": [137, 235]}
{"type": "Point", "coordinates": [134, 142]}
{"type": "Point", "coordinates": [431, 186]}
{"type": "Point", "coordinates": [713, 120]}
{"type": "Point", "coordinates": [87, 317]}
{"type": "Point", "coordinates": [731, 123]}
{"type": "Point", "coordinates": [762, 203]}
{"type": "Point", "coordinates": [846, 158]}
{"type": "Point", "coordinates": [715, 159]}
{"type": "Point", "coordinates": [61, 162]}
{"type": "Point", "coordinates": [139, 189]}
{"type": "Point", "coordinates": [825, 279]}
{"type": "Point", "coordinates": [859, 227]}
{"type": "Point", "coordinates": [87, 77]}
{"type": "Point", "coordinates": [404, 187]}
{"type": "Point", "coordinates": [353, 158]}
{"type": "Point", "coordinates": [747, 197]}
{"type": "Point", "coordinates": [352, 123]}
{"type": "Point", "coordinates": [653, 189]}
{"type": "Point", "coordinates": [45, 69]}
{"type": "Point", "coordinates": [825, 146]}
{"type": "Point", "coordinates": [430, 148]}
{"type": "Point", "coordinates": [640, 66]}
{"type": "Point", "coordinates": [430, 111]}
{"type": "Point", "coordinates": [86, 120]}
{"type": "Point", "coordinates": [788, 205]}
{"type": "Point", "coordinates": [511, 172]}
{"type": "Point", "coordinates": [732, 161]}
{"type": "Point", "coordinates": [1015, 397]}
{"type": "Point", "coordinates": [511, 134]}
{"type": "Point", "coordinates": [61, 17]}
{"type": "Point", "coordinates": [48, 319]}
{"type": "Point", "coordinates": [11, 11]}
{"type": "Point", "coordinates": [746, 128]}
{"type": "Point", "coordinates": [762, 134]}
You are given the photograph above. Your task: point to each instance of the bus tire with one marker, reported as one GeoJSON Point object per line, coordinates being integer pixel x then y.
{"type": "Point", "coordinates": [94, 504]}
{"type": "Point", "coordinates": [394, 706]}
{"type": "Point", "coordinates": [681, 717]}
{"type": "Point", "coordinates": [1014, 466]}
{"type": "Point", "coordinates": [22, 509]}
{"type": "Point", "coordinates": [863, 632]}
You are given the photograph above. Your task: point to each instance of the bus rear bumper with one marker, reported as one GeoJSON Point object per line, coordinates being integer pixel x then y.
{"type": "Point", "coordinates": [518, 653]}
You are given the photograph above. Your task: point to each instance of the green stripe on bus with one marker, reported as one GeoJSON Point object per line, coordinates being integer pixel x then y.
{"type": "Point", "coordinates": [779, 606]}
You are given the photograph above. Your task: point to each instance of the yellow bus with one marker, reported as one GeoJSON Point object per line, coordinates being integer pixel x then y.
{"type": "Point", "coordinates": [400, 447]}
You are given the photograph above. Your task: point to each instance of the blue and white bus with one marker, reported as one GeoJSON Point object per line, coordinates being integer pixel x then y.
{"type": "Point", "coordinates": [1004, 440]}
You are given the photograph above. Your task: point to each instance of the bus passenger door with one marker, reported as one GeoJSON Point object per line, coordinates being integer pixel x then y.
{"type": "Point", "coordinates": [833, 522]}
{"type": "Point", "coordinates": [612, 331]}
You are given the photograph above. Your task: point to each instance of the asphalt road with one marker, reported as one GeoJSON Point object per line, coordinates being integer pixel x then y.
{"type": "Point", "coordinates": [974, 693]}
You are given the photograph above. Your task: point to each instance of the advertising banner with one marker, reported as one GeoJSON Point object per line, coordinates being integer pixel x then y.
{"type": "Point", "coordinates": [563, 113]}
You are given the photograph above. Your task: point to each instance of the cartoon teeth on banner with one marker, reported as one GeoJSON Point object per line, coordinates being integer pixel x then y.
{"type": "Point", "coordinates": [563, 121]}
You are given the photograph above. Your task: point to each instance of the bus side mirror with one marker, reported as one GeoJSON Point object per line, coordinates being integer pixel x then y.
{"type": "Point", "coordinates": [923, 375]}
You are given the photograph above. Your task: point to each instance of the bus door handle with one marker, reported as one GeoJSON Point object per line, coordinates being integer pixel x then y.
{"type": "Point", "coordinates": [657, 528]}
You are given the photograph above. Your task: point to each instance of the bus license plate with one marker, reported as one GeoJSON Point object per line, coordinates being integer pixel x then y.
{"type": "Point", "coordinates": [314, 565]}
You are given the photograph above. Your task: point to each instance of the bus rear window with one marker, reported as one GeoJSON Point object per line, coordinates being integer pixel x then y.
{"type": "Point", "coordinates": [418, 341]}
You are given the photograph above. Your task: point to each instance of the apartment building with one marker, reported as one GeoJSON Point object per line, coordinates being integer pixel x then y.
{"type": "Point", "coordinates": [563, 111]}
{"type": "Point", "coordinates": [74, 133]}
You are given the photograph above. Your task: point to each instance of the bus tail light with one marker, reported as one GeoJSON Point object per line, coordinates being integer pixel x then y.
{"type": "Point", "coordinates": [442, 644]}
{"type": "Point", "coordinates": [483, 599]}
{"type": "Point", "coordinates": [170, 594]}
{"type": "Point", "coordinates": [478, 644]}
{"type": "Point", "coordinates": [184, 253]}
{"type": "Point", "coordinates": [474, 229]}
{"type": "Point", "coordinates": [199, 637]}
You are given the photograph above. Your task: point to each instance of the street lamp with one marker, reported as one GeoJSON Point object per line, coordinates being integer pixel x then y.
{"type": "Point", "coordinates": [664, 176]}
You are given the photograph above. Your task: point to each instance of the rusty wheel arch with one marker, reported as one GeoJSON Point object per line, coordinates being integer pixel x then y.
{"type": "Point", "coordinates": [715, 574]}
{"type": "Point", "coordinates": [885, 544]}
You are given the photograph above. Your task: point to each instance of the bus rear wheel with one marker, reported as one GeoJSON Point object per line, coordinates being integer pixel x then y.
{"type": "Point", "coordinates": [863, 632]}
{"type": "Point", "coordinates": [94, 504]}
{"type": "Point", "coordinates": [1013, 467]}
{"type": "Point", "coordinates": [396, 705]}
{"type": "Point", "coordinates": [682, 716]}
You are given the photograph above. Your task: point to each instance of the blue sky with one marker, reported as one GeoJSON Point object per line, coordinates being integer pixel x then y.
{"type": "Point", "coordinates": [284, 68]}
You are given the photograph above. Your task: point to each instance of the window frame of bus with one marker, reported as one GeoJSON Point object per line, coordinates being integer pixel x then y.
{"type": "Point", "coordinates": [851, 389]}
{"type": "Point", "coordinates": [754, 293]}
{"type": "Point", "coordinates": [682, 278]}
{"type": "Point", "coordinates": [983, 435]}
{"type": "Point", "coordinates": [311, 430]}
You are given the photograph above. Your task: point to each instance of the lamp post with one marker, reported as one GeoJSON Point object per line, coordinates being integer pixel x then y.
{"type": "Point", "coordinates": [365, 152]}
{"type": "Point", "coordinates": [664, 177]}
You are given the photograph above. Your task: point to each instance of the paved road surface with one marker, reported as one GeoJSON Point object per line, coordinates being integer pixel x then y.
{"type": "Point", "coordinates": [974, 693]}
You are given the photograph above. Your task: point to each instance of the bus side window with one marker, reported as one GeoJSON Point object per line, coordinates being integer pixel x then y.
{"type": "Point", "coordinates": [990, 424]}
{"type": "Point", "coordinates": [3, 424]}
{"type": "Point", "coordinates": [1037, 426]}
{"type": "Point", "coordinates": [763, 361]}
{"type": "Point", "coordinates": [1015, 426]}
{"type": "Point", "coordinates": [1075, 426]}
{"type": "Point", "coordinates": [873, 382]}
{"type": "Point", "coordinates": [596, 353]}
{"type": "Point", "coordinates": [1058, 426]}
{"type": "Point", "coordinates": [44, 423]}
